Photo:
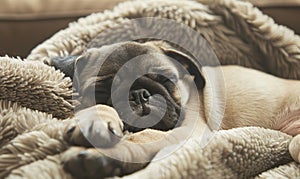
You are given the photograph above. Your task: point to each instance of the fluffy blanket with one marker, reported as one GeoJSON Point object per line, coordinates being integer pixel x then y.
{"type": "Point", "coordinates": [35, 98]}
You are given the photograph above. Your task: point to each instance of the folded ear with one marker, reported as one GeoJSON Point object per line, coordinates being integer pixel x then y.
{"type": "Point", "coordinates": [190, 63]}
{"type": "Point", "coordinates": [64, 64]}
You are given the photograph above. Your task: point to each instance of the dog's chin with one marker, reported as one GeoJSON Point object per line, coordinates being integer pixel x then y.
{"type": "Point", "coordinates": [136, 120]}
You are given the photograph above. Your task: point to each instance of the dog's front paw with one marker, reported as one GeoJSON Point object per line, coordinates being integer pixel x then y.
{"type": "Point", "coordinates": [294, 148]}
{"type": "Point", "coordinates": [98, 126]}
{"type": "Point", "coordinates": [89, 163]}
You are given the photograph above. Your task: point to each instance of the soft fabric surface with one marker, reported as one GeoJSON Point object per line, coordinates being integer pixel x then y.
{"type": "Point", "coordinates": [32, 94]}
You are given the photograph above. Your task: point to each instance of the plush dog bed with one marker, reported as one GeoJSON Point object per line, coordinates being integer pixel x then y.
{"type": "Point", "coordinates": [35, 98]}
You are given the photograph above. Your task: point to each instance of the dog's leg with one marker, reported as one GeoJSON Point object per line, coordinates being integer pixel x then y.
{"type": "Point", "coordinates": [98, 126]}
{"type": "Point", "coordinates": [91, 162]}
{"type": "Point", "coordinates": [128, 156]}
{"type": "Point", "coordinates": [84, 162]}
{"type": "Point", "coordinates": [132, 153]}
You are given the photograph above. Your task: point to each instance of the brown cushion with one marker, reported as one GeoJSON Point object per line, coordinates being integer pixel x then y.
{"type": "Point", "coordinates": [26, 23]}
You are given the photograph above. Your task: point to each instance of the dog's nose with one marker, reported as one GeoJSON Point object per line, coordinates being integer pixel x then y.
{"type": "Point", "coordinates": [139, 96]}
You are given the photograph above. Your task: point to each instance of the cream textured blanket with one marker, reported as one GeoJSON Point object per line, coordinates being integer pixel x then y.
{"type": "Point", "coordinates": [34, 98]}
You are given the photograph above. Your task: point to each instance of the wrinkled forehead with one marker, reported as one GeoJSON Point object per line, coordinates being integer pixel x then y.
{"type": "Point", "coordinates": [129, 56]}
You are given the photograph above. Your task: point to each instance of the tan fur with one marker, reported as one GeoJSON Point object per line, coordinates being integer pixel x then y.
{"type": "Point", "coordinates": [255, 98]}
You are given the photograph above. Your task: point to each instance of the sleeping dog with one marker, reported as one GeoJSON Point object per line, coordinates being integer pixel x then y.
{"type": "Point", "coordinates": [251, 98]}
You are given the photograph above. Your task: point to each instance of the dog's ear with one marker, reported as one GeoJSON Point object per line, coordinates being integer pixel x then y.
{"type": "Point", "coordinates": [68, 64]}
{"type": "Point", "coordinates": [64, 64]}
{"type": "Point", "coordinates": [190, 63]}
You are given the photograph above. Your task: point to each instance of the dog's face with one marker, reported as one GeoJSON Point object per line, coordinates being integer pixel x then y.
{"type": "Point", "coordinates": [159, 80]}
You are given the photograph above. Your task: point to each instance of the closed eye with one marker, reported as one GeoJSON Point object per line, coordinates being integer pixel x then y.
{"type": "Point", "coordinates": [163, 78]}
{"type": "Point", "coordinates": [168, 79]}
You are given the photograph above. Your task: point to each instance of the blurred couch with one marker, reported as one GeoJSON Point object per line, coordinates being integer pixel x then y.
{"type": "Point", "coordinates": [26, 23]}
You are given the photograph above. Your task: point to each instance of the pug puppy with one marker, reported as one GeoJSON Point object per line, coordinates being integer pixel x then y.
{"type": "Point", "coordinates": [253, 98]}
{"type": "Point", "coordinates": [97, 69]}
